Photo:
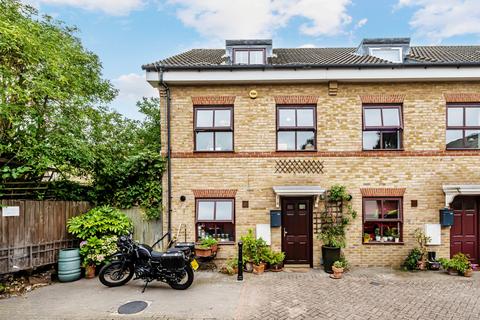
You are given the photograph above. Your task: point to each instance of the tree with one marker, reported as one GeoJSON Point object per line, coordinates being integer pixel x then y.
{"type": "Point", "coordinates": [50, 85]}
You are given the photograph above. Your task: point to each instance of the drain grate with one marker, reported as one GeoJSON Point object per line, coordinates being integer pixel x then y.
{"type": "Point", "coordinates": [132, 307]}
{"type": "Point", "coordinates": [374, 283]}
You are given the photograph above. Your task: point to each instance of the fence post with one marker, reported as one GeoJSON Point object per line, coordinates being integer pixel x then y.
{"type": "Point", "coordinates": [240, 261]}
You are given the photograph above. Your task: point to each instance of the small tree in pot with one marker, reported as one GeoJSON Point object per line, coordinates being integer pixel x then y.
{"type": "Point", "coordinates": [334, 223]}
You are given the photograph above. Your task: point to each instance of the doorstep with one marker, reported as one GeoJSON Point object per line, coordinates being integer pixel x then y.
{"type": "Point", "coordinates": [296, 267]}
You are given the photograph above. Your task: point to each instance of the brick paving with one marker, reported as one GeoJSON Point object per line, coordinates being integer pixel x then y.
{"type": "Point", "coordinates": [365, 294]}
{"type": "Point", "coordinates": [372, 293]}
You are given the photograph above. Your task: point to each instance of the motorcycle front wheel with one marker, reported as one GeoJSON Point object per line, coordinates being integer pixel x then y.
{"type": "Point", "coordinates": [185, 282]}
{"type": "Point", "coordinates": [116, 274]}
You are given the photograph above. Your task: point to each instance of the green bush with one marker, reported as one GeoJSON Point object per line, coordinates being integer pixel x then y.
{"type": "Point", "coordinates": [253, 249]}
{"type": "Point", "coordinates": [208, 242]}
{"type": "Point", "coordinates": [99, 222]}
{"type": "Point", "coordinates": [460, 262]}
{"type": "Point", "coordinates": [412, 259]}
{"type": "Point", "coordinates": [95, 251]}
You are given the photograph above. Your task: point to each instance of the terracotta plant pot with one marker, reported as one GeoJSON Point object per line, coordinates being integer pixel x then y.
{"type": "Point", "coordinates": [249, 267]}
{"type": "Point", "coordinates": [258, 268]}
{"type": "Point", "coordinates": [468, 273]}
{"type": "Point", "coordinates": [421, 265]}
{"type": "Point", "coordinates": [337, 273]}
{"type": "Point", "coordinates": [90, 272]}
{"type": "Point", "coordinates": [203, 252]}
{"type": "Point", "coordinates": [452, 272]}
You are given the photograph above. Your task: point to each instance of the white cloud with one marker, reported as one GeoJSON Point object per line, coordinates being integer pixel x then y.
{"type": "Point", "coordinates": [308, 45]}
{"type": "Point", "coordinates": [261, 18]}
{"type": "Point", "coordinates": [440, 19]}
{"type": "Point", "coordinates": [111, 7]}
{"type": "Point", "coordinates": [132, 88]}
{"type": "Point", "coordinates": [361, 23]}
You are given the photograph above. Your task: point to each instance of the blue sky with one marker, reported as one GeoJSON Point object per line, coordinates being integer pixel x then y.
{"type": "Point", "coordinates": [128, 33]}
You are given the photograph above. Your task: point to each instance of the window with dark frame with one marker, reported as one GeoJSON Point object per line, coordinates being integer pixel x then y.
{"type": "Point", "coordinates": [215, 218]}
{"type": "Point", "coordinates": [249, 56]}
{"type": "Point", "coordinates": [382, 127]}
{"type": "Point", "coordinates": [463, 126]}
{"type": "Point", "coordinates": [296, 128]}
{"type": "Point", "coordinates": [213, 129]}
{"type": "Point", "coordinates": [382, 220]}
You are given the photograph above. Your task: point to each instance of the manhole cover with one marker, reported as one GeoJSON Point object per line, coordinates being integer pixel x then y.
{"type": "Point", "coordinates": [132, 307]}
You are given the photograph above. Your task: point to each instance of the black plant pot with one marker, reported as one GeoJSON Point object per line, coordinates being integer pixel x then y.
{"type": "Point", "coordinates": [330, 255]}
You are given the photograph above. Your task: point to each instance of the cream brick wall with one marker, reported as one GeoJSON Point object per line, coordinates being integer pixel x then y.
{"type": "Point", "coordinates": [339, 123]}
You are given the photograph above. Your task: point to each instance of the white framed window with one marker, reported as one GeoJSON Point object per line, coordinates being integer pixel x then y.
{"type": "Point", "coordinates": [389, 54]}
{"type": "Point", "coordinates": [248, 56]}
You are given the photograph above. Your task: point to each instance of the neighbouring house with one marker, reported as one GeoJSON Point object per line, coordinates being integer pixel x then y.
{"type": "Point", "coordinates": [252, 131]}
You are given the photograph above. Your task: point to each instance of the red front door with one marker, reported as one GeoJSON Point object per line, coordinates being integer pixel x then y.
{"type": "Point", "coordinates": [464, 232]}
{"type": "Point", "coordinates": [297, 230]}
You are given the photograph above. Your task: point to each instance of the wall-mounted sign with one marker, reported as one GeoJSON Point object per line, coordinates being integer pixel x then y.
{"type": "Point", "coordinates": [11, 211]}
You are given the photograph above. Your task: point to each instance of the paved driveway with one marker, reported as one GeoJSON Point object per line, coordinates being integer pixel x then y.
{"type": "Point", "coordinates": [362, 294]}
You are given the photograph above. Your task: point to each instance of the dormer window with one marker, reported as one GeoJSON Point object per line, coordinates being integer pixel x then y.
{"type": "Point", "coordinates": [394, 50]}
{"type": "Point", "coordinates": [389, 54]}
{"type": "Point", "coordinates": [248, 56]}
{"type": "Point", "coordinates": [248, 52]}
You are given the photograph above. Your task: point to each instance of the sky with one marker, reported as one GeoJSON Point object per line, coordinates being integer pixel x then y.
{"type": "Point", "coordinates": [128, 33]}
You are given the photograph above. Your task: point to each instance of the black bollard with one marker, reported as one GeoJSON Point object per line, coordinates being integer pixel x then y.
{"type": "Point", "coordinates": [240, 261]}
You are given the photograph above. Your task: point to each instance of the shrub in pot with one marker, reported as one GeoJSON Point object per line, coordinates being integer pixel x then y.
{"type": "Point", "coordinates": [230, 267]}
{"type": "Point", "coordinates": [333, 233]}
{"type": "Point", "coordinates": [208, 246]}
{"type": "Point", "coordinates": [98, 229]}
{"type": "Point", "coordinates": [274, 260]}
{"type": "Point", "coordinates": [338, 269]}
{"type": "Point", "coordinates": [253, 249]}
{"type": "Point", "coordinates": [461, 263]}
{"type": "Point", "coordinates": [411, 262]}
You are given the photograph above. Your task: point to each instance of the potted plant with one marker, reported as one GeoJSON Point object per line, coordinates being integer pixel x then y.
{"type": "Point", "coordinates": [377, 235]}
{"type": "Point", "coordinates": [254, 251]}
{"type": "Point", "coordinates": [208, 247]}
{"type": "Point", "coordinates": [337, 269]}
{"type": "Point", "coordinates": [274, 260]}
{"type": "Point", "coordinates": [395, 235]}
{"type": "Point", "coordinates": [230, 267]}
{"type": "Point", "coordinates": [366, 238]}
{"type": "Point", "coordinates": [389, 234]}
{"type": "Point", "coordinates": [94, 252]}
{"type": "Point", "coordinates": [411, 262]}
{"type": "Point", "coordinates": [422, 241]}
{"type": "Point", "coordinates": [333, 233]}
{"type": "Point", "coordinates": [462, 264]}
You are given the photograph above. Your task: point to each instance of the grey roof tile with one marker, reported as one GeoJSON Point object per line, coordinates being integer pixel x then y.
{"type": "Point", "coordinates": [433, 55]}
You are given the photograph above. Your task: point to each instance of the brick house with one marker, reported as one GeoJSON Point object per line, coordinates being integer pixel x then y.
{"type": "Point", "coordinates": [251, 130]}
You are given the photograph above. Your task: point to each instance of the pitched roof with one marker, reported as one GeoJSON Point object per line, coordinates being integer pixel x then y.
{"type": "Point", "coordinates": [323, 57]}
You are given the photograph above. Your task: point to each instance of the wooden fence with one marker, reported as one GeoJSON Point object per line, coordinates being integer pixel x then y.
{"type": "Point", "coordinates": [33, 237]}
{"type": "Point", "coordinates": [144, 231]}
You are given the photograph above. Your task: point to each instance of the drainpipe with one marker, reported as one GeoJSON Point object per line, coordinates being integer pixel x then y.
{"type": "Point", "coordinates": [169, 153]}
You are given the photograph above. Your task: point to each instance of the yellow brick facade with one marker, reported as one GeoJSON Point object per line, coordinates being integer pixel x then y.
{"type": "Point", "coordinates": [422, 168]}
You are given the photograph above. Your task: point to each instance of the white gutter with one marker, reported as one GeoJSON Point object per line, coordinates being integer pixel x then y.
{"type": "Point", "coordinates": [316, 75]}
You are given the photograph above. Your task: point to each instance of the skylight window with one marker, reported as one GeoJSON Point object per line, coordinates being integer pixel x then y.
{"type": "Point", "coordinates": [389, 54]}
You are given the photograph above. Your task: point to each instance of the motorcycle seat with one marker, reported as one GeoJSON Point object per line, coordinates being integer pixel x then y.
{"type": "Point", "coordinates": [156, 255]}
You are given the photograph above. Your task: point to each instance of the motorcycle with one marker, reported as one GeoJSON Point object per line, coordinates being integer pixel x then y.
{"type": "Point", "coordinates": [175, 266]}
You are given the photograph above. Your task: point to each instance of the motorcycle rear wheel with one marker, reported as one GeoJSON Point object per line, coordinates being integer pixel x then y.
{"type": "Point", "coordinates": [186, 282]}
{"type": "Point", "coordinates": [115, 274]}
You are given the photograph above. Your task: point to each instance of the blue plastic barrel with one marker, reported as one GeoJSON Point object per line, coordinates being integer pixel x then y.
{"type": "Point", "coordinates": [69, 264]}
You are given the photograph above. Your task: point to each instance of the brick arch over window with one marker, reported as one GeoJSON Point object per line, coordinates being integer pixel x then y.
{"type": "Point", "coordinates": [214, 193]}
{"type": "Point", "coordinates": [382, 192]}
{"type": "Point", "coordinates": [213, 100]}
